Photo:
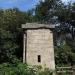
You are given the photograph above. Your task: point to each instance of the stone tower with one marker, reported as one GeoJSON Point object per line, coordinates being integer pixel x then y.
{"type": "Point", "coordinates": [38, 48]}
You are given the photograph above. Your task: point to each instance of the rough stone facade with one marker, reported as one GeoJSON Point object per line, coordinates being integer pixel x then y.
{"type": "Point", "coordinates": [39, 48]}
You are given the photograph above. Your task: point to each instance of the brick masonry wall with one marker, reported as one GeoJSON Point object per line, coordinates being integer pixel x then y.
{"type": "Point", "coordinates": [40, 42]}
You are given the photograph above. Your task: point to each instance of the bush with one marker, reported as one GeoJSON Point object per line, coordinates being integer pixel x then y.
{"type": "Point", "coordinates": [22, 69]}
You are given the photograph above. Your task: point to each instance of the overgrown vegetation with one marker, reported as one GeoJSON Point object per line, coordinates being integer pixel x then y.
{"type": "Point", "coordinates": [22, 69]}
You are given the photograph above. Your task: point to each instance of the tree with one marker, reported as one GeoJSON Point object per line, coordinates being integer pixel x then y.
{"type": "Point", "coordinates": [63, 54]}
{"type": "Point", "coordinates": [7, 46]}
{"type": "Point", "coordinates": [11, 33]}
{"type": "Point", "coordinates": [46, 10]}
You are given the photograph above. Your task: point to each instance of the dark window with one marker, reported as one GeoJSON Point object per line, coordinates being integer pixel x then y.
{"type": "Point", "coordinates": [39, 58]}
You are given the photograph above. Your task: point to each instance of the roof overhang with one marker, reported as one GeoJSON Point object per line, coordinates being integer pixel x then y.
{"type": "Point", "coordinates": [37, 26]}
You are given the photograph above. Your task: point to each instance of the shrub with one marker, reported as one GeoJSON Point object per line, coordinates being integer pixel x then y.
{"type": "Point", "coordinates": [22, 69]}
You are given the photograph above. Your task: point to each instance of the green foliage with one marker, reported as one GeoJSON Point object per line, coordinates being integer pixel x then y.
{"type": "Point", "coordinates": [11, 33]}
{"type": "Point", "coordinates": [21, 69]}
{"type": "Point", "coordinates": [11, 19]}
{"type": "Point", "coordinates": [46, 10]}
{"type": "Point", "coordinates": [7, 45]}
{"type": "Point", "coordinates": [63, 54]}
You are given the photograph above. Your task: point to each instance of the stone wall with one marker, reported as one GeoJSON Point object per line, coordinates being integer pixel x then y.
{"type": "Point", "coordinates": [40, 42]}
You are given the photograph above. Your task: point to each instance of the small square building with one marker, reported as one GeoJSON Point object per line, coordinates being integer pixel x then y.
{"type": "Point", "coordinates": [38, 47]}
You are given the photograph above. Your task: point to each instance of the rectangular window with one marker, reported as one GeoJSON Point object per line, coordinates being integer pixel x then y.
{"type": "Point", "coordinates": [39, 58]}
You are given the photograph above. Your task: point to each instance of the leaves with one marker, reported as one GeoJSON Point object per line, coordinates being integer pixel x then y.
{"type": "Point", "coordinates": [21, 69]}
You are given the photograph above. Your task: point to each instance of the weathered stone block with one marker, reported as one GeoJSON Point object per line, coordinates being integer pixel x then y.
{"type": "Point", "coordinates": [40, 42]}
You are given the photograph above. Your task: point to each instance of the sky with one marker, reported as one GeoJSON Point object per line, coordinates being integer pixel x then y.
{"type": "Point", "coordinates": [23, 5]}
